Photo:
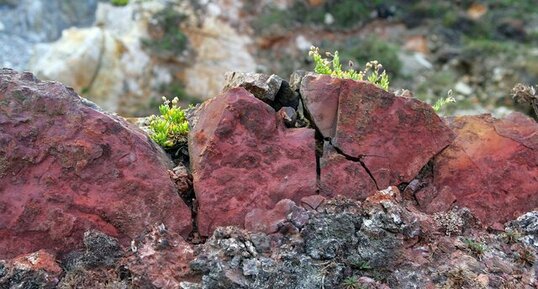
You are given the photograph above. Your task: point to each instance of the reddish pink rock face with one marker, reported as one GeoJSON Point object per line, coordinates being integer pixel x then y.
{"type": "Point", "coordinates": [268, 221]}
{"type": "Point", "coordinates": [244, 158]}
{"type": "Point", "coordinates": [320, 95]}
{"type": "Point", "coordinates": [491, 168]}
{"type": "Point", "coordinates": [393, 136]}
{"type": "Point", "coordinates": [66, 168]}
{"type": "Point", "coordinates": [340, 176]}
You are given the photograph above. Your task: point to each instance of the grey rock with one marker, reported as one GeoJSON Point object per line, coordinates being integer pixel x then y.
{"type": "Point", "coordinates": [250, 267]}
{"type": "Point", "coordinates": [326, 235]}
{"type": "Point", "coordinates": [27, 22]}
{"type": "Point", "coordinates": [295, 79]}
{"type": "Point", "coordinates": [263, 86]}
{"type": "Point", "coordinates": [100, 250]}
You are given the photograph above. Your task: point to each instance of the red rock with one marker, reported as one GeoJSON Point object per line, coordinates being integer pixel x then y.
{"type": "Point", "coordinates": [393, 136]}
{"type": "Point", "coordinates": [312, 202]}
{"type": "Point", "coordinates": [268, 221]}
{"type": "Point", "coordinates": [40, 260]}
{"type": "Point", "coordinates": [243, 158]}
{"type": "Point", "coordinates": [491, 168]}
{"type": "Point", "coordinates": [320, 96]}
{"type": "Point", "coordinates": [66, 167]}
{"type": "Point", "coordinates": [340, 176]}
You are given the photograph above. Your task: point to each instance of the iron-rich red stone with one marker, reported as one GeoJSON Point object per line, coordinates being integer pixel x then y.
{"type": "Point", "coordinates": [243, 157]}
{"type": "Point", "coordinates": [268, 221]}
{"type": "Point", "coordinates": [66, 167]}
{"type": "Point", "coordinates": [340, 176]}
{"type": "Point", "coordinates": [320, 96]}
{"type": "Point", "coordinates": [491, 168]}
{"type": "Point", "coordinates": [393, 136]}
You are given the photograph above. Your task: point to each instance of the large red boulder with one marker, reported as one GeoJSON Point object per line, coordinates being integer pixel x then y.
{"type": "Point", "coordinates": [243, 157]}
{"type": "Point", "coordinates": [66, 167]}
{"type": "Point", "coordinates": [342, 176]}
{"type": "Point", "coordinates": [393, 137]}
{"type": "Point", "coordinates": [491, 168]}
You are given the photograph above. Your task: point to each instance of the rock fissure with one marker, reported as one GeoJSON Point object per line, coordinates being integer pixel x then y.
{"type": "Point", "coordinates": [359, 160]}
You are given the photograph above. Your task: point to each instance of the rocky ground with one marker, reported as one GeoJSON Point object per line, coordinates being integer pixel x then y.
{"type": "Point", "coordinates": [279, 188]}
{"type": "Point", "coordinates": [126, 58]}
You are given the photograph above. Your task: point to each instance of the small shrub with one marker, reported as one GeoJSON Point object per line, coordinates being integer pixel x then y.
{"type": "Point", "coordinates": [475, 247]}
{"type": "Point", "coordinates": [351, 283]}
{"type": "Point", "coordinates": [441, 102]}
{"type": "Point", "coordinates": [511, 236]}
{"type": "Point", "coordinates": [525, 255]}
{"type": "Point", "coordinates": [119, 2]}
{"type": "Point", "coordinates": [361, 265]}
{"type": "Point", "coordinates": [373, 71]}
{"type": "Point", "coordinates": [171, 127]}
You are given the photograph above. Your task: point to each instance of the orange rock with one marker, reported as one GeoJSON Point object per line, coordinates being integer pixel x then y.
{"type": "Point", "coordinates": [476, 11]}
{"type": "Point", "coordinates": [491, 168]}
{"type": "Point", "coordinates": [417, 43]}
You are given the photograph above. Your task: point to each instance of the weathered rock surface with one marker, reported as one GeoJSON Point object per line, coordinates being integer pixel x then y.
{"type": "Point", "coordinates": [34, 270]}
{"type": "Point", "coordinates": [66, 168]}
{"type": "Point", "coordinates": [269, 221]}
{"type": "Point", "coordinates": [242, 157]}
{"type": "Point", "coordinates": [491, 168]}
{"type": "Point", "coordinates": [394, 137]}
{"type": "Point", "coordinates": [341, 176]}
{"type": "Point", "coordinates": [320, 96]}
{"type": "Point", "coordinates": [381, 243]}
{"type": "Point", "coordinates": [160, 259]}
{"type": "Point", "coordinates": [262, 86]}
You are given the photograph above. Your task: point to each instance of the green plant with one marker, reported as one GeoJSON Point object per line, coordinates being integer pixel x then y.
{"type": "Point", "coordinates": [475, 247]}
{"type": "Point", "coordinates": [441, 102]}
{"type": "Point", "coordinates": [171, 127]}
{"type": "Point", "coordinates": [373, 71]}
{"type": "Point", "coordinates": [119, 2]}
{"type": "Point", "coordinates": [511, 236]}
{"type": "Point", "coordinates": [361, 265]}
{"type": "Point", "coordinates": [525, 255]}
{"type": "Point", "coordinates": [351, 283]}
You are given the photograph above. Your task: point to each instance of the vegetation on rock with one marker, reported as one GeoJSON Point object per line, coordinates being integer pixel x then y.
{"type": "Point", "coordinates": [171, 127]}
{"type": "Point", "coordinates": [373, 71]}
{"type": "Point", "coordinates": [119, 2]}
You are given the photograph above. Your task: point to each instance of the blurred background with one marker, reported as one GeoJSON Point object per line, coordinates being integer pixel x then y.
{"type": "Point", "coordinates": [124, 55]}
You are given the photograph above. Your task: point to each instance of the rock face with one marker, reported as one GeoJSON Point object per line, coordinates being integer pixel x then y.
{"type": "Point", "coordinates": [26, 22]}
{"type": "Point", "coordinates": [107, 62]}
{"type": "Point", "coordinates": [491, 168]}
{"type": "Point", "coordinates": [345, 242]}
{"type": "Point", "coordinates": [394, 137]}
{"type": "Point", "coordinates": [34, 270]}
{"type": "Point", "coordinates": [243, 158]}
{"type": "Point", "coordinates": [66, 167]}
{"type": "Point", "coordinates": [341, 176]}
